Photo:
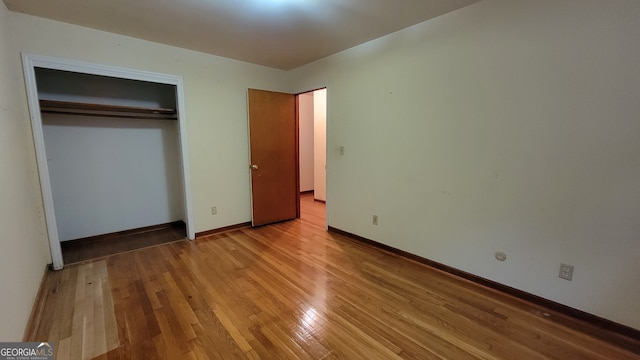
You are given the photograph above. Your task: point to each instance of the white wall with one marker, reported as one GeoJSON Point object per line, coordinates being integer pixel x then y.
{"type": "Point", "coordinates": [305, 115]}
{"type": "Point", "coordinates": [24, 249]}
{"type": "Point", "coordinates": [506, 125]}
{"type": "Point", "coordinates": [110, 174]}
{"type": "Point", "coordinates": [320, 144]}
{"type": "Point", "coordinates": [215, 97]}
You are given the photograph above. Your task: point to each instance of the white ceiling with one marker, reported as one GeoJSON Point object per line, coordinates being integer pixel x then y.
{"type": "Point", "coordinates": [282, 34]}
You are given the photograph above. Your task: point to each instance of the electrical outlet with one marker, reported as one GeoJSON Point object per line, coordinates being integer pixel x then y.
{"type": "Point", "coordinates": [375, 219]}
{"type": "Point", "coordinates": [566, 272]}
{"type": "Point", "coordinates": [500, 256]}
{"type": "Point", "coordinates": [214, 210]}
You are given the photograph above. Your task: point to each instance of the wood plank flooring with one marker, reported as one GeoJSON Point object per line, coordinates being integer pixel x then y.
{"type": "Point", "coordinates": [79, 315]}
{"type": "Point", "coordinates": [75, 251]}
{"type": "Point", "coordinates": [294, 291]}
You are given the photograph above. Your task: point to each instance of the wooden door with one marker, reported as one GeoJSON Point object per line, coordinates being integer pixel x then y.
{"type": "Point", "coordinates": [274, 157]}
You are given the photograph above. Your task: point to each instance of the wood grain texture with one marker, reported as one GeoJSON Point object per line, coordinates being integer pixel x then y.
{"type": "Point", "coordinates": [273, 148]}
{"type": "Point", "coordinates": [295, 291]}
{"type": "Point", "coordinates": [96, 247]}
{"type": "Point", "coordinates": [104, 110]}
{"type": "Point", "coordinates": [78, 313]}
{"type": "Point", "coordinates": [222, 229]}
{"type": "Point", "coordinates": [614, 332]}
{"type": "Point", "coordinates": [37, 311]}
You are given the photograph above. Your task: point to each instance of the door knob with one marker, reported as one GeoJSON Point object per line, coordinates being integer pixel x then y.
{"type": "Point", "coordinates": [254, 167]}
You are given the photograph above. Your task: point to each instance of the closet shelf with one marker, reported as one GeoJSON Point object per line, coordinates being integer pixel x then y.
{"type": "Point", "coordinates": [87, 109]}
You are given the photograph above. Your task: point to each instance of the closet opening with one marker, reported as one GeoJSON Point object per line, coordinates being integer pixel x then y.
{"type": "Point", "coordinates": [112, 158]}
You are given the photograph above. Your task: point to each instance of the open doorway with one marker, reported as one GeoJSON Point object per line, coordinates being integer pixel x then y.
{"type": "Point", "coordinates": [287, 145]}
{"type": "Point", "coordinates": [312, 115]}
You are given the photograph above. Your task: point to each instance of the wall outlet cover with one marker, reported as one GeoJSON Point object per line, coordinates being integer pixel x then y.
{"type": "Point", "coordinates": [566, 272]}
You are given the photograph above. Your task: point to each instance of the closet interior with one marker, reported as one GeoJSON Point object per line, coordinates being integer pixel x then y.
{"type": "Point", "coordinates": [114, 162]}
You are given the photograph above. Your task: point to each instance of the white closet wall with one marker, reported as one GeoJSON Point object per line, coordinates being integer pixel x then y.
{"type": "Point", "coordinates": [110, 174]}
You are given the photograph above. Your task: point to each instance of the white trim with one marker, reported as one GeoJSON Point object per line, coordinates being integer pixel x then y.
{"type": "Point", "coordinates": [184, 153]}
{"type": "Point", "coordinates": [41, 157]}
{"type": "Point", "coordinates": [30, 62]}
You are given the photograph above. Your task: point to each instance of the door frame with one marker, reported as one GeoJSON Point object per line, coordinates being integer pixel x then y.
{"type": "Point", "coordinates": [30, 62]}
{"type": "Point", "coordinates": [297, 125]}
{"type": "Point", "coordinates": [297, 151]}
{"type": "Point", "coordinates": [326, 139]}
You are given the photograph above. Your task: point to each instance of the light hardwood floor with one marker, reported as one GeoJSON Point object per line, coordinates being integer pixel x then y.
{"type": "Point", "coordinates": [294, 291]}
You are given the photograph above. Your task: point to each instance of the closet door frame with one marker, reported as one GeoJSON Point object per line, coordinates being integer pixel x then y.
{"type": "Point", "coordinates": [30, 62]}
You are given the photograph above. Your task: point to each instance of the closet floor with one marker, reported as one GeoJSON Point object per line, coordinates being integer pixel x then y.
{"type": "Point", "coordinates": [95, 247]}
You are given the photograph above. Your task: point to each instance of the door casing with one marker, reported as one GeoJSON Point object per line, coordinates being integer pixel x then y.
{"type": "Point", "coordinates": [30, 62]}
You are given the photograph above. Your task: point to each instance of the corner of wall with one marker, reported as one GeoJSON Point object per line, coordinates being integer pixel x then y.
{"type": "Point", "coordinates": [24, 241]}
